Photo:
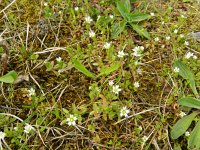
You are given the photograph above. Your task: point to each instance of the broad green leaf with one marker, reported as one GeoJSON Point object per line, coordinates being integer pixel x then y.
{"type": "Point", "coordinates": [107, 71]}
{"type": "Point", "coordinates": [185, 72]}
{"type": "Point", "coordinates": [194, 139]}
{"type": "Point", "coordinates": [190, 102]}
{"type": "Point", "coordinates": [141, 31]}
{"type": "Point", "coordinates": [182, 125]}
{"type": "Point", "coordinates": [80, 67]}
{"type": "Point", "coordinates": [124, 7]}
{"type": "Point", "coordinates": [137, 17]}
{"type": "Point", "coordinates": [117, 29]}
{"type": "Point", "coordinates": [10, 77]}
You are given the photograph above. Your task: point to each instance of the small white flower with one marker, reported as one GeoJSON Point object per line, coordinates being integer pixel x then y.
{"type": "Point", "coordinates": [152, 14]}
{"type": "Point", "coordinates": [71, 120]}
{"type": "Point", "coordinates": [2, 135]}
{"type": "Point", "coordinates": [111, 82]}
{"type": "Point", "coordinates": [15, 128]}
{"type": "Point", "coordinates": [162, 22]}
{"type": "Point", "coordinates": [98, 17]}
{"type": "Point", "coordinates": [194, 56]}
{"type": "Point", "coordinates": [91, 34]}
{"type": "Point", "coordinates": [88, 19]}
{"type": "Point", "coordinates": [76, 8]}
{"type": "Point", "coordinates": [163, 46]}
{"type": "Point", "coordinates": [111, 16]}
{"type": "Point", "coordinates": [168, 38]}
{"type": "Point", "coordinates": [121, 54]}
{"type": "Point", "coordinates": [182, 114]}
{"type": "Point", "coordinates": [176, 69]}
{"type": "Point", "coordinates": [188, 55]}
{"type": "Point", "coordinates": [182, 16]}
{"type": "Point", "coordinates": [138, 51]}
{"type": "Point", "coordinates": [144, 138]}
{"type": "Point", "coordinates": [107, 45]}
{"type": "Point", "coordinates": [28, 128]}
{"type": "Point", "coordinates": [140, 128]}
{"type": "Point", "coordinates": [156, 39]}
{"type": "Point", "coordinates": [136, 84]}
{"type": "Point", "coordinates": [182, 35]}
{"type": "Point", "coordinates": [116, 89]}
{"type": "Point", "coordinates": [59, 59]}
{"type": "Point", "coordinates": [31, 91]}
{"type": "Point", "coordinates": [176, 31]}
{"type": "Point", "coordinates": [186, 43]}
{"type": "Point", "coordinates": [124, 112]}
{"type": "Point", "coordinates": [187, 133]}
{"type": "Point", "coordinates": [46, 4]}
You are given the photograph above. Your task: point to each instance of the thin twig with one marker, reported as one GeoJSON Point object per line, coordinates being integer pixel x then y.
{"type": "Point", "coordinates": [7, 6]}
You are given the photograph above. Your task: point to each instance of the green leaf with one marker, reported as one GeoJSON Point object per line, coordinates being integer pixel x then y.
{"type": "Point", "coordinates": [107, 71]}
{"type": "Point", "coordinates": [193, 141]}
{"type": "Point", "coordinates": [10, 77]}
{"type": "Point", "coordinates": [124, 7]}
{"type": "Point", "coordinates": [185, 72]}
{"type": "Point", "coordinates": [141, 31]}
{"type": "Point", "coordinates": [182, 125]}
{"type": "Point", "coordinates": [80, 67]}
{"type": "Point", "coordinates": [137, 17]}
{"type": "Point", "coordinates": [190, 102]}
{"type": "Point", "coordinates": [117, 29]}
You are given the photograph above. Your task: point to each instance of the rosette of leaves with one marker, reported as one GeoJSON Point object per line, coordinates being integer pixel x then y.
{"type": "Point", "coordinates": [129, 18]}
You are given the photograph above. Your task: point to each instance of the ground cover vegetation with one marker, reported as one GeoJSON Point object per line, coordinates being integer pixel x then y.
{"type": "Point", "coordinates": [99, 74]}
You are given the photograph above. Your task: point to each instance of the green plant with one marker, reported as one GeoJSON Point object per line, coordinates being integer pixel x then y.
{"type": "Point", "coordinates": [184, 123]}
{"type": "Point", "coordinates": [132, 19]}
{"type": "Point", "coordinates": [10, 77]}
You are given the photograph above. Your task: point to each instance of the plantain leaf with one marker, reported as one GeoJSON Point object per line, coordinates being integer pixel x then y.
{"type": "Point", "coordinates": [185, 72]}
{"type": "Point", "coordinates": [182, 125]}
{"type": "Point", "coordinates": [190, 102]}
{"type": "Point", "coordinates": [107, 71]}
{"type": "Point", "coordinates": [137, 17]}
{"type": "Point", "coordinates": [80, 67]}
{"type": "Point", "coordinates": [124, 7]}
{"type": "Point", "coordinates": [141, 31]}
{"type": "Point", "coordinates": [117, 29]}
{"type": "Point", "coordinates": [193, 141]}
{"type": "Point", "coordinates": [10, 77]}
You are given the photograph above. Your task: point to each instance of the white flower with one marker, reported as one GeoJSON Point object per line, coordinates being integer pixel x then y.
{"type": "Point", "coordinates": [188, 55]}
{"type": "Point", "coordinates": [107, 45]}
{"type": "Point", "coordinates": [176, 31]}
{"type": "Point", "coordinates": [28, 128]}
{"type": "Point", "coordinates": [124, 112]}
{"type": "Point", "coordinates": [156, 39]}
{"type": "Point", "coordinates": [76, 8]}
{"type": "Point", "coordinates": [31, 92]}
{"type": "Point", "coordinates": [71, 120]}
{"type": "Point", "coordinates": [111, 82]}
{"type": "Point", "coordinates": [152, 14]}
{"type": "Point", "coordinates": [121, 54]}
{"type": "Point", "coordinates": [176, 69]}
{"type": "Point", "coordinates": [15, 128]}
{"type": "Point", "coordinates": [91, 34]}
{"type": "Point", "coordinates": [181, 35]}
{"type": "Point", "coordinates": [138, 51]}
{"type": "Point", "coordinates": [116, 89]}
{"type": "Point", "coordinates": [59, 59]}
{"type": "Point", "coordinates": [45, 4]}
{"type": "Point", "coordinates": [98, 17]}
{"type": "Point", "coordinates": [163, 46]}
{"type": "Point", "coordinates": [111, 16]}
{"type": "Point", "coordinates": [88, 19]}
{"type": "Point", "coordinates": [182, 114]}
{"type": "Point", "coordinates": [162, 22]}
{"type": "Point", "coordinates": [144, 138]}
{"type": "Point", "coordinates": [194, 56]}
{"type": "Point", "coordinates": [187, 133]}
{"type": "Point", "coordinates": [136, 84]}
{"type": "Point", "coordinates": [186, 43]}
{"type": "Point", "coordinates": [2, 135]}
{"type": "Point", "coordinates": [168, 38]}
{"type": "Point", "coordinates": [182, 16]}
{"type": "Point", "coordinates": [60, 12]}
{"type": "Point", "coordinates": [140, 128]}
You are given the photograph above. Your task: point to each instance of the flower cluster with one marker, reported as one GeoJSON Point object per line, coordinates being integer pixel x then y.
{"type": "Point", "coordinates": [189, 54]}
{"type": "Point", "coordinates": [137, 51]}
{"type": "Point", "coordinates": [124, 112]}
